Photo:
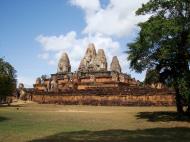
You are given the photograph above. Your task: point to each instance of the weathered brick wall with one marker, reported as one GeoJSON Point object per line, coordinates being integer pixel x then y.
{"type": "Point", "coordinates": [109, 94]}
{"type": "Point", "coordinates": [119, 100]}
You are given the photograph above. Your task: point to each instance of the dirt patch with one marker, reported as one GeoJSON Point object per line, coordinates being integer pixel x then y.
{"type": "Point", "coordinates": [83, 111]}
{"type": "Point", "coordinates": [21, 102]}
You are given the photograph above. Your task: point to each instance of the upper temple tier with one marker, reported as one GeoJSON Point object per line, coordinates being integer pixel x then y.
{"type": "Point", "coordinates": [93, 61]}
{"type": "Point", "coordinates": [64, 64]}
{"type": "Point", "coordinates": [91, 75]}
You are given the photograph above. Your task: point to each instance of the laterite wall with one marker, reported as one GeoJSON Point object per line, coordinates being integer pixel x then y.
{"type": "Point", "coordinates": [119, 100]}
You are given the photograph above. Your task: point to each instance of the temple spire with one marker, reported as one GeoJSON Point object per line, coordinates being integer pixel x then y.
{"type": "Point", "coordinates": [115, 66]}
{"type": "Point", "coordinates": [64, 64]}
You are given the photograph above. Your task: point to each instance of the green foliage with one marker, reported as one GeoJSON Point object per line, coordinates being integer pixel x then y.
{"type": "Point", "coordinates": [163, 43]}
{"type": "Point", "coordinates": [184, 88]}
{"type": "Point", "coordinates": [7, 79]}
{"type": "Point", "coordinates": [152, 76]}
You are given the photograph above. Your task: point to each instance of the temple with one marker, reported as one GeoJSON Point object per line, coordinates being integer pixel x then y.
{"type": "Point", "coordinates": [97, 83]}
{"type": "Point", "coordinates": [92, 73]}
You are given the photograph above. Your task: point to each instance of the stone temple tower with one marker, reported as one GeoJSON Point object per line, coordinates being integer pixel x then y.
{"type": "Point", "coordinates": [115, 66]}
{"type": "Point", "coordinates": [64, 64]}
{"type": "Point", "coordinates": [89, 58]}
{"type": "Point", "coordinates": [100, 61]}
{"type": "Point", "coordinates": [93, 61]}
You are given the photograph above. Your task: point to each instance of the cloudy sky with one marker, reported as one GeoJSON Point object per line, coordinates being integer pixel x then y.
{"type": "Point", "coordinates": [34, 33]}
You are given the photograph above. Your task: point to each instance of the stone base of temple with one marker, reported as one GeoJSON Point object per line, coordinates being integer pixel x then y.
{"type": "Point", "coordinates": [114, 100]}
{"type": "Point", "coordinates": [118, 94]}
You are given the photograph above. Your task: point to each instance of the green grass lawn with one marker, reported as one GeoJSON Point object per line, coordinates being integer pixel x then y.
{"type": "Point", "coordinates": [35, 123]}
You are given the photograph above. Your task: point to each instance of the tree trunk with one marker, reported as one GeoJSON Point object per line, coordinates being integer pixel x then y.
{"type": "Point", "coordinates": [188, 108]}
{"type": "Point", "coordinates": [179, 104]}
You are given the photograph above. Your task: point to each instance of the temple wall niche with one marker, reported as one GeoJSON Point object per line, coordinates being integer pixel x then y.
{"type": "Point", "coordinates": [121, 78]}
{"type": "Point", "coordinates": [54, 85]}
{"type": "Point", "coordinates": [115, 76]}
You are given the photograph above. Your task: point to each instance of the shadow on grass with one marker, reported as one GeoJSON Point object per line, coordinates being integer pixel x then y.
{"type": "Point", "coordinates": [177, 134]}
{"type": "Point", "coordinates": [3, 118]}
{"type": "Point", "coordinates": [162, 116]}
{"type": "Point", "coordinates": [6, 105]}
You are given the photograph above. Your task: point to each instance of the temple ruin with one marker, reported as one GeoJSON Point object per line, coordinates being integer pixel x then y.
{"type": "Point", "coordinates": [95, 79]}
{"type": "Point", "coordinates": [92, 73]}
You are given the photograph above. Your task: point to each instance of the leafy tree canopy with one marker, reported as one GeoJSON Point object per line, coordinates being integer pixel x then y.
{"type": "Point", "coordinates": [163, 44]}
{"type": "Point", "coordinates": [7, 79]}
{"type": "Point", "coordinates": [152, 76]}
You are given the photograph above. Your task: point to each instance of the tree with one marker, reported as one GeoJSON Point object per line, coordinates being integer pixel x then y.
{"type": "Point", "coordinates": [163, 45]}
{"type": "Point", "coordinates": [7, 79]}
{"type": "Point", "coordinates": [152, 77]}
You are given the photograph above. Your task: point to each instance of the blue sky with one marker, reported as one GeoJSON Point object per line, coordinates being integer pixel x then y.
{"type": "Point", "coordinates": [34, 33]}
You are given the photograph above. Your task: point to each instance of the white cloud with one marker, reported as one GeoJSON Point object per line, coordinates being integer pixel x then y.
{"type": "Point", "coordinates": [44, 56]}
{"type": "Point", "coordinates": [57, 43]}
{"type": "Point", "coordinates": [90, 6]}
{"type": "Point", "coordinates": [26, 80]}
{"type": "Point", "coordinates": [75, 47]}
{"type": "Point", "coordinates": [51, 62]}
{"type": "Point", "coordinates": [116, 19]}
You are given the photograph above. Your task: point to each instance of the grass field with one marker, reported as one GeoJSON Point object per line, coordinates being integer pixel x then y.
{"type": "Point", "coordinates": [35, 123]}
